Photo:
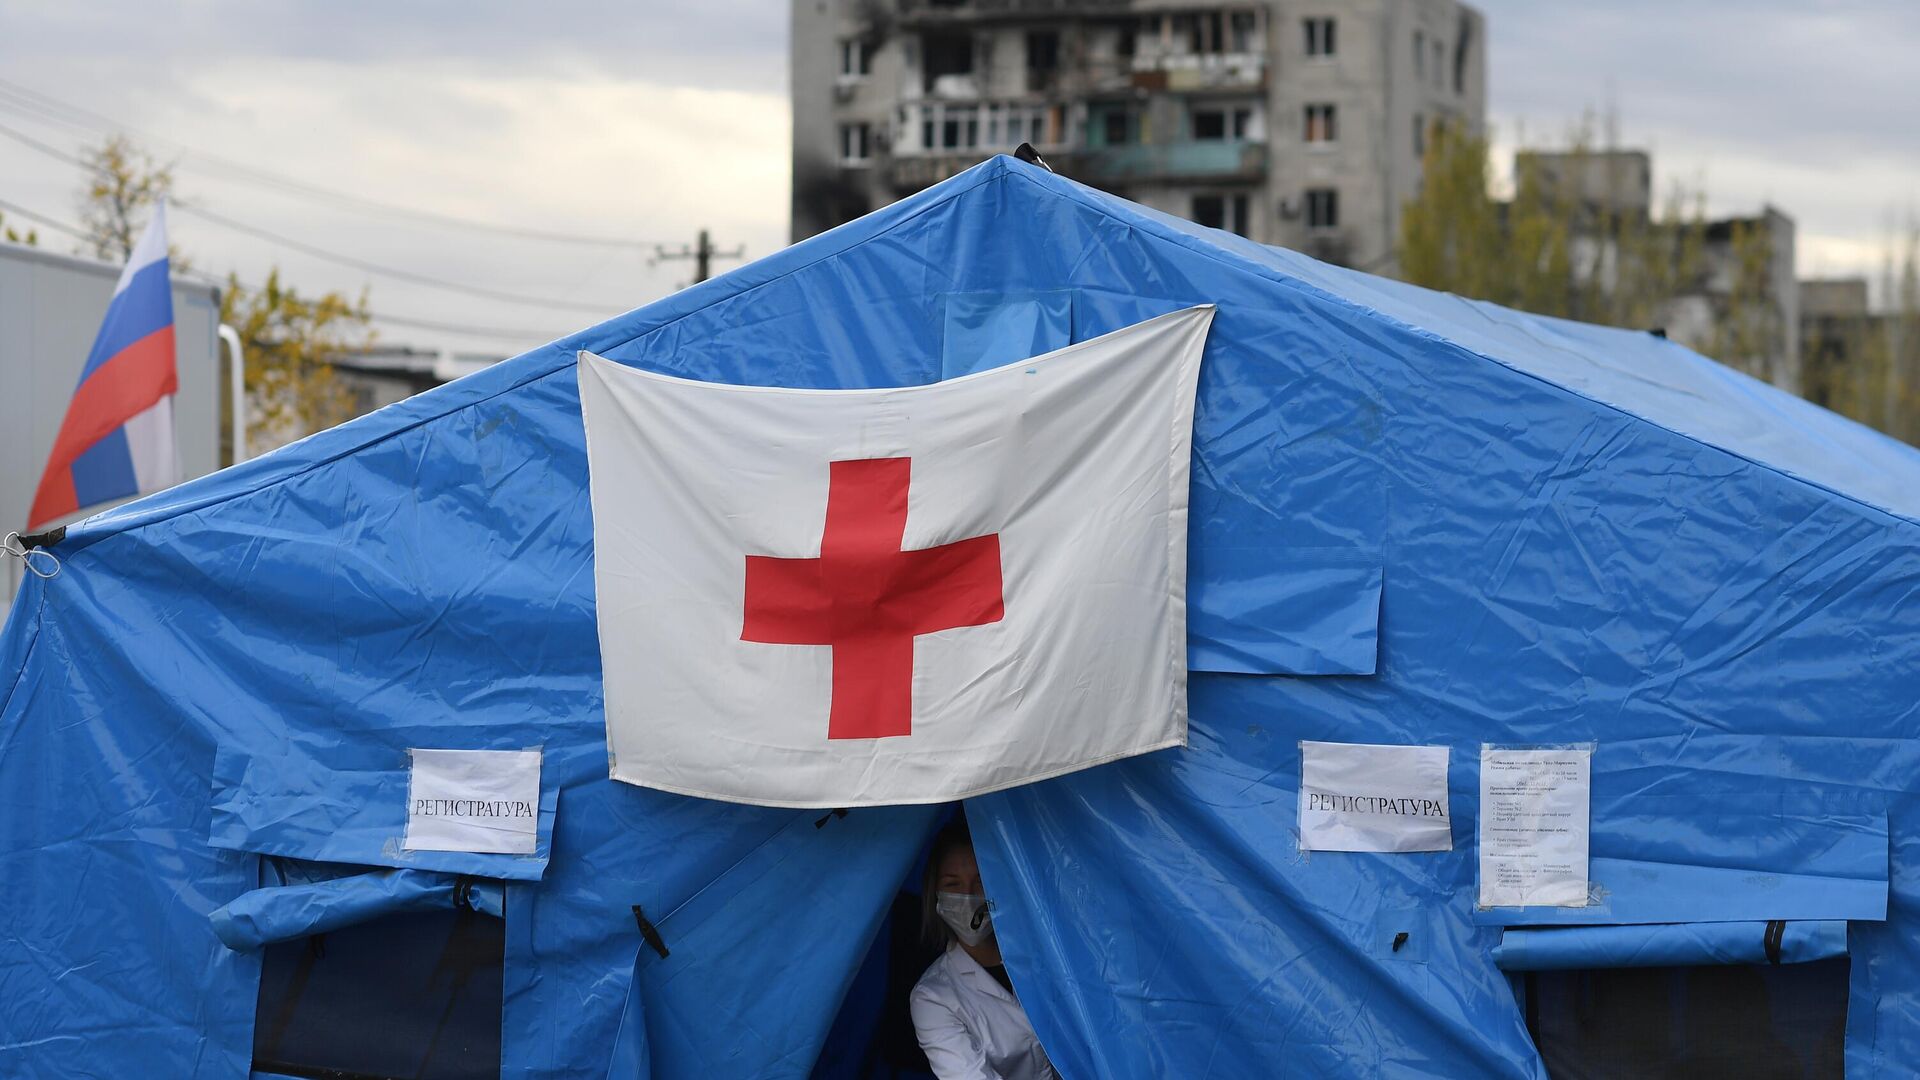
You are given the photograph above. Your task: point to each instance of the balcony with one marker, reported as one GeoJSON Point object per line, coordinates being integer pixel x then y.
{"type": "Point", "coordinates": [1183, 73]}
{"type": "Point", "coordinates": [1210, 160]}
{"type": "Point", "coordinates": [917, 13]}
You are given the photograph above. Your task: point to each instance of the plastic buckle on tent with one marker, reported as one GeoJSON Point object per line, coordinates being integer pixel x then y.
{"type": "Point", "coordinates": [650, 932]}
{"type": "Point", "coordinates": [1776, 930]}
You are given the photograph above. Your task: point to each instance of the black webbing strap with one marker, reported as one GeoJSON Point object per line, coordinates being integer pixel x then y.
{"type": "Point", "coordinates": [1776, 930]}
{"type": "Point", "coordinates": [29, 541]}
{"type": "Point", "coordinates": [650, 932]}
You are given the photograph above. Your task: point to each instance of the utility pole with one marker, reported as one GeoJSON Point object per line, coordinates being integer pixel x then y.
{"type": "Point", "coordinates": [702, 253]}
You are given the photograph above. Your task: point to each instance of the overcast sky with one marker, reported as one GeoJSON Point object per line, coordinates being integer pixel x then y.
{"type": "Point", "coordinates": [648, 119]}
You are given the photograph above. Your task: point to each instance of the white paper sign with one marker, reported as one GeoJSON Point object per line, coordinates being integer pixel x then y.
{"type": "Point", "coordinates": [1360, 797]}
{"type": "Point", "coordinates": [485, 801]}
{"type": "Point", "coordinates": [1533, 827]}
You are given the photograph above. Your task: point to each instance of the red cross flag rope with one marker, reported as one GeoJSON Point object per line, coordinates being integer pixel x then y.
{"type": "Point", "coordinates": [836, 598]}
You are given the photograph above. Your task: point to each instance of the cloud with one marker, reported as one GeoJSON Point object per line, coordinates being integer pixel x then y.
{"type": "Point", "coordinates": [653, 119]}
{"type": "Point", "coordinates": [623, 133]}
{"type": "Point", "coordinates": [1805, 106]}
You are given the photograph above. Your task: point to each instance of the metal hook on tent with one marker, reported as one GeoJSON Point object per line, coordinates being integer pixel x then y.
{"type": "Point", "coordinates": [30, 548]}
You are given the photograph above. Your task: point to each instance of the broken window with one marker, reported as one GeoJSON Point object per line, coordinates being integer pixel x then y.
{"type": "Point", "coordinates": [1043, 50]}
{"type": "Point", "coordinates": [1210, 122]}
{"type": "Point", "coordinates": [1210, 211]}
{"type": "Point", "coordinates": [1116, 127]}
{"type": "Point", "coordinates": [1043, 60]}
{"type": "Point", "coordinates": [960, 128]}
{"type": "Point", "coordinates": [1320, 124]}
{"type": "Point", "coordinates": [1243, 32]}
{"type": "Point", "coordinates": [1323, 208]}
{"type": "Point", "coordinates": [856, 59]}
{"type": "Point", "coordinates": [1227, 211]}
{"type": "Point", "coordinates": [1319, 36]}
{"type": "Point", "coordinates": [1201, 31]}
{"type": "Point", "coordinates": [946, 54]}
{"type": "Point", "coordinates": [855, 143]}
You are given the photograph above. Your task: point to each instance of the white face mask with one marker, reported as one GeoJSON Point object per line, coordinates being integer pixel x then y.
{"type": "Point", "coordinates": [969, 915]}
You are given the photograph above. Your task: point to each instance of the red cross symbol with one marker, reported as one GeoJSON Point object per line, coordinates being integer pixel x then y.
{"type": "Point", "coordinates": [868, 599]}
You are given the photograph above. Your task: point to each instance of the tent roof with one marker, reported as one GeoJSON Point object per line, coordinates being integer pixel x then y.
{"type": "Point", "coordinates": [1650, 377]}
{"type": "Point", "coordinates": [1642, 375]}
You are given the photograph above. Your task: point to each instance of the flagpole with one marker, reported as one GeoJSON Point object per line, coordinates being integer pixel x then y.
{"type": "Point", "coordinates": [237, 377]}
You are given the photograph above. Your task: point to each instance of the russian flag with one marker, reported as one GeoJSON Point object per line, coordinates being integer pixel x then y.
{"type": "Point", "coordinates": [117, 438]}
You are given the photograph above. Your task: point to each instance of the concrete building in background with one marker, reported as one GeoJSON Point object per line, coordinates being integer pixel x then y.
{"type": "Point", "coordinates": [50, 311]}
{"type": "Point", "coordinates": [1742, 306]}
{"type": "Point", "coordinates": [1289, 122]}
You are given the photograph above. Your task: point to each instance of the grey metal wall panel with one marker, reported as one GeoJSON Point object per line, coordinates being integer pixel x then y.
{"type": "Point", "coordinates": [50, 309]}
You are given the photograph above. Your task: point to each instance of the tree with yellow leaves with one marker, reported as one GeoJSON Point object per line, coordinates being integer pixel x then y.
{"type": "Point", "coordinates": [290, 338]}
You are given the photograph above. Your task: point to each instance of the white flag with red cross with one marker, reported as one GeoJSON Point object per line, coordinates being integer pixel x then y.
{"type": "Point", "coordinates": [837, 598]}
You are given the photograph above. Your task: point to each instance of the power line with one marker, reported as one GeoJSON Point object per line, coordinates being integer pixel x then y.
{"type": "Point", "coordinates": [350, 261]}
{"type": "Point", "coordinates": [43, 219]}
{"type": "Point", "coordinates": [376, 316]}
{"type": "Point", "coordinates": [48, 149]}
{"type": "Point", "coordinates": [396, 273]}
{"type": "Point", "coordinates": [19, 98]}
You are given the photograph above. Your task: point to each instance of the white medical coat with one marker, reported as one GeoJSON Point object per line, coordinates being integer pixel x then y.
{"type": "Point", "coordinates": [971, 1027]}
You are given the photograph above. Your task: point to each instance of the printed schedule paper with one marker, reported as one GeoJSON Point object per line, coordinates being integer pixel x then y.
{"type": "Point", "coordinates": [485, 801]}
{"type": "Point", "coordinates": [1362, 797]}
{"type": "Point", "coordinates": [1533, 826]}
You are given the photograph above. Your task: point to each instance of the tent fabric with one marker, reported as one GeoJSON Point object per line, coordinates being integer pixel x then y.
{"type": "Point", "coordinates": [1792, 855]}
{"type": "Point", "coordinates": [262, 804]}
{"type": "Point", "coordinates": [1539, 533]}
{"type": "Point", "coordinates": [1669, 945]}
{"type": "Point", "coordinates": [276, 913]}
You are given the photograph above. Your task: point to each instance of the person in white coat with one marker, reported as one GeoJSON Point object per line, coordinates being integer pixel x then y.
{"type": "Point", "coordinates": [965, 1011]}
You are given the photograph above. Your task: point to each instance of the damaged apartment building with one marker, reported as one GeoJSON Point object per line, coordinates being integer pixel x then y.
{"type": "Point", "coordinates": [1293, 123]}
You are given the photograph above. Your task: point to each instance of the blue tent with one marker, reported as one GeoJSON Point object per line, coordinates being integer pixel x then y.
{"type": "Point", "coordinates": [1415, 519]}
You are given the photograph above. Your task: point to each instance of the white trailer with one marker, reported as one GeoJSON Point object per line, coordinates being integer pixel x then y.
{"type": "Point", "coordinates": [50, 309]}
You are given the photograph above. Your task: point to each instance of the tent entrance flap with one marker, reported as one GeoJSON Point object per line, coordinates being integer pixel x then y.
{"type": "Point", "coordinates": [1670, 945]}
{"type": "Point", "coordinates": [346, 803]}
